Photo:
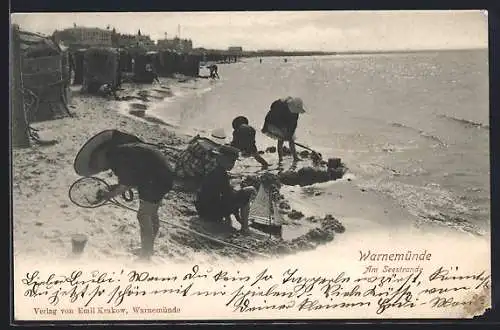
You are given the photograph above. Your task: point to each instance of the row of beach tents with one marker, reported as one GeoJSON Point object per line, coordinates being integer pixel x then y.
{"type": "Point", "coordinates": [46, 70]}
{"type": "Point", "coordinates": [94, 67]}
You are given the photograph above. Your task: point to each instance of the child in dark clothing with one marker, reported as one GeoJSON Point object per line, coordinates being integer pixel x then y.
{"type": "Point", "coordinates": [281, 122]}
{"type": "Point", "coordinates": [137, 165]}
{"type": "Point", "coordinates": [214, 71]}
{"type": "Point", "coordinates": [244, 140]}
{"type": "Point", "coordinates": [217, 200]}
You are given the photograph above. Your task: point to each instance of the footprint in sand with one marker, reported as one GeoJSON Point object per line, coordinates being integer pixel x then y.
{"type": "Point", "coordinates": [139, 106]}
{"type": "Point", "coordinates": [135, 251]}
{"type": "Point", "coordinates": [57, 241]}
{"type": "Point", "coordinates": [138, 113]}
{"type": "Point", "coordinates": [123, 229]}
{"type": "Point", "coordinates": [52, 235]}
{"type": "Point", "coordinates": [88, 219]}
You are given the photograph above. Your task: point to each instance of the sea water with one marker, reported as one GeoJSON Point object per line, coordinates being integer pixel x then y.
{"type": "Point", "coordinates": [411, 126]}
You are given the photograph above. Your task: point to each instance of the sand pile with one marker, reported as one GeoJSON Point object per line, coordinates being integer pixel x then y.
{"type": "Point", "coordinates": [318, 170]}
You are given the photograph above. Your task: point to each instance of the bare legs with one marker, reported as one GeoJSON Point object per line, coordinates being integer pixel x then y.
{"type": "Point", "coordinates": [149, 225]}
{"type": "Point", "coordinates": [292, 150]}
{"type": "Point", "coordinates": [261, 160]}
{"type": "Point", "coordinates": [280, 150]}
{"type": "Point", "coordinates": [244, 213]}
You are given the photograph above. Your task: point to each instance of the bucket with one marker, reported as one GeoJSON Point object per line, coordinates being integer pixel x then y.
{"type": "Point", "coordinates": [78, 242]}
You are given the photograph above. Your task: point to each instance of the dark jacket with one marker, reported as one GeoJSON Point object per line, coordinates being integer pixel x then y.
{"type": "Point", "coordinates": [280, 116]}
{"type": "Point", "coordinates": [138, 165]}
{"type": "Point", "coordinates": [244, 139]}
{"type": "Point", "coordinates": [215, 189]}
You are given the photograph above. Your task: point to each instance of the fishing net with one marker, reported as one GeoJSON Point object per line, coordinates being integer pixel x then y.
{"type": "Point", "coordinates": [87, 192]}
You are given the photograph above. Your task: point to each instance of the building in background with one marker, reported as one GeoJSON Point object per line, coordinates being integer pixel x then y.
{"type": "Point", "coordinates": [177, 44]}
{"type": "Point", "coordinates": [132, 41]}
{"type": "Point", "coordinates": [235, 50]}
{"type": "Point", "coordinates": [77, 37]}
{"type": "Point", "coordinates": [84, 37]}
{"type": "Point", "coordinates": [129, 41]}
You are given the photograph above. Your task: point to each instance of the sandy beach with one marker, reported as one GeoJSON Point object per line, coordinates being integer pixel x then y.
{"type": "Point", "coordinates": [45, 218]}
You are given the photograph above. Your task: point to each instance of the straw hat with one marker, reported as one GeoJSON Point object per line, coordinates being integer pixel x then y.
{"type": "Point", "coordinates": [218, 135]}
{"type": "Point", "coordinates": [295, 104]}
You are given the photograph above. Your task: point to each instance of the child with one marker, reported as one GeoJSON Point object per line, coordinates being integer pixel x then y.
{"type": "Point", "coordinates": [281, 123]}
{"type": "Point", "coordinates": [244, 140]}
{"type": "Point", "coordinates": [214, 71]}
{"type": "Point", "coordinates": [137, 165]}
{"type": "Point", "coordinates": [217, 200]}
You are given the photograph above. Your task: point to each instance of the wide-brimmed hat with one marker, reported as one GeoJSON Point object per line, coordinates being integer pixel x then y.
{"type": "Point", "coordinates": [218, 135]}
{"type": "Point", "coordinates": [295, 104]}
{"type": "Point", "coordinates": [238, 121]}
{"type": "Point", "coordinates": [83, 163]}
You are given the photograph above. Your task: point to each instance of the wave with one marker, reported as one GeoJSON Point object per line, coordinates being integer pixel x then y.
{"type": "Point", "coordinates": [465, 122]}
{"type": "Point", "coordinates": [421, 133]}
{"type": "Point", "coordinates": [430, 203]}
{"type": "Point", "coordinates": [452, 221]}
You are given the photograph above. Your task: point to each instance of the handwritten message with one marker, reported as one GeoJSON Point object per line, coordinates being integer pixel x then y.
{"type": "Point", "coordinates": [379, 288]}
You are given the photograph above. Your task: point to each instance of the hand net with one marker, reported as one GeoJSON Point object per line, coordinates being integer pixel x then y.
{"type": "Point", "coordinates": [87, 192]}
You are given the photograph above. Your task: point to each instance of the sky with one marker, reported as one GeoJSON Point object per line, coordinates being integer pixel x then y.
{"type": "Point", "coordinates": [288, 30]}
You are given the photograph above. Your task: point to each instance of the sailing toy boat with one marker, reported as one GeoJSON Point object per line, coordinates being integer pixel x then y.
{"type": "Point", "coordinates": [264, 215]}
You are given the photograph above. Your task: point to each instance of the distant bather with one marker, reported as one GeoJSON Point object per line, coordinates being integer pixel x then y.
{"type": "Point", "coordinates": [214, 71]}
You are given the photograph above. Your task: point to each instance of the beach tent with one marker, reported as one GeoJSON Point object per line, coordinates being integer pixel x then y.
{"type": "Point", "coordinates": [171, 62]}
{"type": "Point", "coordinates": [45, 76]}
{"type": "Point", "coordinates": [100, 67]}
{"type": "Point", "coordinates": [125, 61]}
{"type": "Point", "coordinates": [168, 60]}
{"type": "Point", "coordinates": [78, 56]}
{"type": "Point", "coordinates": [141, 74]}
{"type": "Point", "coordinates": [154, 59]}
{"type": "Point", "coordinates": [189, 65]}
